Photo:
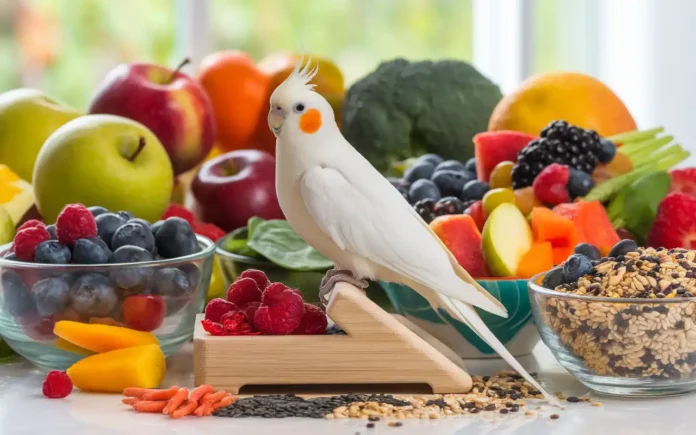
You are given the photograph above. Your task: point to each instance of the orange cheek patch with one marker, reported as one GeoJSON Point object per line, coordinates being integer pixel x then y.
{"type": "Point", "coordinates": [310, 121]}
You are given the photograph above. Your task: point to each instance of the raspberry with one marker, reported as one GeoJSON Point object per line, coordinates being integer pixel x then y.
{"type": "Point", "coordinates": [26, 241]}
{"type": "Point", "coordinates": [217, 307]}
{"type": "Point", "coordinates": [250, 310]}
{"type": "Point", "coordinates": [551, 185]}
{"type": "Point", "coordinates": [313, 322]}
{"type": "Point", "coordinates": [211, 231]}
{"type": "Point", "coordinates": [75, 222]}
{"type": "Point", "coordinates": [236, 323]}
{"type": "Point", "coordinates": [280, 312]}
{"type": "Point", "coordinates": [30, 224]}
{"type": "Point", "coordinates": [257, 275]}
{"type": "Point", "coordinates": [243, 291]}
{"type": "Point", "coordinates": [212, 328]}
{"type": "Point", "coordinates": [176, 210]}
{"type": "Point", "coordinates": [57, 385]}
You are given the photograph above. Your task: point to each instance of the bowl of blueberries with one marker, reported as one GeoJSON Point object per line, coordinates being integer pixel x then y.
{"type": "Point", "coordinates": [100, 267]}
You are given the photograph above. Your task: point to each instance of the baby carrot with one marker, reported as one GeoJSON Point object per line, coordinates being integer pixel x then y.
{"type": "Point", "coordinates": [136, 392]}
{"type": "Point", "coordinates": [185, 410]}
{"type": "Point", "coordinates": [150, 405]}
{"type": "Point", "coordinates": [214, 397]}
{"type": "Point", "coordinates": [198, 393]}
{"type": "Point", "coordinates": [176, 401]}
{"type": "Point", "coordinates": [161, 394]}
{"type": "Point", "coordinates": [129, 400]}
{"type": "Point", "coordinates": [227, 401]}
{"type": "Point", "coordinates": [204, 409]}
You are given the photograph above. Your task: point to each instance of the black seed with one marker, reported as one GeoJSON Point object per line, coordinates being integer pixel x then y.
{"type": "Point", "coordinates": [504, 411]}
{"type": "Point", "coordinates": [373, 418]}
{"type": "Point", "coordinates": [489, 407]}
{"type": "Point", "coordinates": [573, 399]}
{"type": "Point", "coordinates": [370, 425]}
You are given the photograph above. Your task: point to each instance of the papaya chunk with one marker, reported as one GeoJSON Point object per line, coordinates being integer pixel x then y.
{"type": "Point", "coordinates": [592, 224]}
{"type": "Point", "coordinates": [548, 226]}
{"type": "Point", "coordinates": [101, 338]}
{"type": "Point", "coordinates": [69, 347]}
{"type": "Point", "coordinates": [112, 372]}
{"type": "Point", "coordinates": [538, 259]}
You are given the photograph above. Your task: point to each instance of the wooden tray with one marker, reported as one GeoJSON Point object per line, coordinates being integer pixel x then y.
{"type": "Point", "coordinates": [378, 353]}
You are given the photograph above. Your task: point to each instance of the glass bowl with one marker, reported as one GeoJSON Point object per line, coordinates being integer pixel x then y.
{"type": "Point", "coordinates": [516, 332]}
{"type": "Point", "coordinates": [307, 282]}
{"type": "Point", "coordinates": [627, 347]}
{"type": "Point", "coordinates": [153, 303]}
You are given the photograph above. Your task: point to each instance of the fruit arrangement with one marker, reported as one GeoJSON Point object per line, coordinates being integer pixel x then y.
{"type": "Point", "coordinates": [254, 306]}
{"type": "Point", "coordinates": [137, 297]}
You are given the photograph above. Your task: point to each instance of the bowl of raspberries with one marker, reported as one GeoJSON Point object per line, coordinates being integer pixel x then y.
{"type": "Point", "coordinates": [101, 267]}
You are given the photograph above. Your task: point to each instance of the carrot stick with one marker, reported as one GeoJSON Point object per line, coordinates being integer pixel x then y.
{"type": "Point", "coordinates": [198, 393]}
{"type": "Point", "coordinates": [227, 401]}
{"type": "Point", "coordinates": [150, 406]}
{"type": "Point", "coordinates": [204, 409]}
{"type": "Point", "coordinates": [136, 392]}
{"type": "Point", "coordinates": [161, 394]}
{"type": "Point", "coordinates": [129, 400]}
{"type": "Point", "coordinates": [214, 397]}
{"type": "Point", "coordinates": [185, 410]}
{"type": "Point", "coordinates": [176, 401]}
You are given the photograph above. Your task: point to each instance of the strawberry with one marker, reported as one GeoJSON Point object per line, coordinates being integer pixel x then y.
{"type": "Point", "coordinates": [684, 181]}
{"type": "Point", "coordinates": [675, 223]}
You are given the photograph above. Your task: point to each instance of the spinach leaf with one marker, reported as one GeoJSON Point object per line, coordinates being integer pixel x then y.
{"type": "Point", "coordinates": [641, 200]}
{"type": "Point", "coordinates": [236, 243]}
{"type": "Point", "coordinates": [278, 242]}
{"type": "Point", "coordinates": [252, 223]}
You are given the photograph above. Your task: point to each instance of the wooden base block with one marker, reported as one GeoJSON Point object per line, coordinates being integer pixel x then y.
{"type": "Point", "coordinates": [377, 351]}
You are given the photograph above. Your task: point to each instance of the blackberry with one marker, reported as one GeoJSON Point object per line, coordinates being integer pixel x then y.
{"type": "Point", "coordinates": [424, 208]}
{"type": "Point", "coordinates": [559, 142]}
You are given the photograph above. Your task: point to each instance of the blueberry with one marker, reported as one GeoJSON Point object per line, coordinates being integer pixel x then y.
{"type": "Point", "coordinates": [172, 282]}
{"type": "Point", "coordinates": [125, 215]}
{"type": "Point", "coordinates": [155, 227]}
{"type": "Point", "coordinates": [91, 251]}
{"type": "Point", "coordinates": [419, 171]}
{"type": "Point", "coordinates": [606, 151]}
{"type": "Point", "coordinates": [448, 205]}
{"type": "Point", "coordinates": [52, 231]}
{"type": "Point", "coordinates": [575, 267]}
{"type": "Point", "coordinates": [107, 224]}
{"type": "Point", "coordinates": [579, 183]}
{"type": "Point", "coordinates": [142, 222]}
{"type": "Point", "coordinates": [589, 251]}
{"type": "Point", "coordinates": [450, 182]}
{"type": "Point", "coordinates": [433, 159]}
{"type": "Point", "coordinates": [423, 189]}
{"type": "Point", "coordinates": [16, 296]}
{"type": "Point", "coordinates": [136, 279]}
{"type": "Point", "coordinates": [553, 278]}
{"type": "Point", "coordinates": [134, 234]}
{"type": "Point", "coordinates": [52, 252]}
{"type": "Point", "coordinates": [451, 165]}
{"type": "Point", "coordinates": [623, 247]}
{"type": "Point", "coordinates": [176, 238]}
{"type": "Point", "coordinates": [193, 273]}
{"type": "Point", "coordinates": [51, 295]}
{"type": "Point", "coordinates": [92, 295]}
{"type": "Point", "coordinates": [470, 165]}
{"type": "Point", "coordinates": [97, 210]}
{"type": "Point", "coordinates": [474, 190]}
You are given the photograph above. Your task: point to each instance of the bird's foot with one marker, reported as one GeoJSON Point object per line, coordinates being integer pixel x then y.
{"type": "Point", "coordinates": [334, 276]}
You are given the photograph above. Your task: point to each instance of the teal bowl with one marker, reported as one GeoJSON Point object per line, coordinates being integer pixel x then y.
{"type": "Point", "coordinates": [517, 332]}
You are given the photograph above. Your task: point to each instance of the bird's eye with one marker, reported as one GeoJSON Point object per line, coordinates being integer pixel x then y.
{"type": "Point", "coordinates": [298, 108]}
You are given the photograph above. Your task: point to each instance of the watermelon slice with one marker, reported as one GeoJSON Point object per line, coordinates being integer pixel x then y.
{"type": "Point", "coordinates": [493, 147]}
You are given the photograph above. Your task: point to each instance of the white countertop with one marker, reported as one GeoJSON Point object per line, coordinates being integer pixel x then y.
{"type": "Point", "coordinates": [23, 410]}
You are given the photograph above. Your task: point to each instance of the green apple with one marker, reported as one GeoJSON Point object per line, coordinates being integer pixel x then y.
{"type": "Point", "coordinates": [103, 160]}
{"type": "Point", "coordinates": [7, 227]}
{"type": "Point", "coordinates": [27, 119]}
{"type": "Point", "coordinates": [506, 238]}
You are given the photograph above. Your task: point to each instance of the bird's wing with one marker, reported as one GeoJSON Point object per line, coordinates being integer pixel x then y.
{"type": "Point", "coordinates": [367, 219]}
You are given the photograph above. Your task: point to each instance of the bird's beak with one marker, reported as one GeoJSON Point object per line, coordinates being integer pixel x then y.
{"type": "Point", "coordinates": [276, 118]}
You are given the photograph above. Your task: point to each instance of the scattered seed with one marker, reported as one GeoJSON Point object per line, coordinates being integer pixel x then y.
{"type": "Point", "coordinates": [572, 399]}
{"type": "Point", "coordinates": [555, 416]}
{"type": "Point", "coordinates": [370, 425]}
{"type": "Point", "coordinates": [395, 424]}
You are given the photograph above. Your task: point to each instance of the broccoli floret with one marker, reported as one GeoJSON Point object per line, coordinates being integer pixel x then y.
{"type": "Point", "coordinates": [404, 109]}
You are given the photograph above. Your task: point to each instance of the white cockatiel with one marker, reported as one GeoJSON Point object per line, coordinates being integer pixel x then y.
{"type": "Point", "coordinates": [344, 208]}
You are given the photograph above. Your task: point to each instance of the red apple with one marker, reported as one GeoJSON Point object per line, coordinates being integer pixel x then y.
{"type": "Point", "coordinates": [143, 312]}
{"type": "Point", "coordinates": [233, 187]}
{"type": "Point", "coordinates": [168, 102]}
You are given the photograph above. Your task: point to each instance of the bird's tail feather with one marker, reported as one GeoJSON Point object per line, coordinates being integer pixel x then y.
{"type": "Point", "coordinates": [466, 314]}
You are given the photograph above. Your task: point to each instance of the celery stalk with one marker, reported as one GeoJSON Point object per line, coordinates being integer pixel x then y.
{"type": "Point", "coordinates": [634, 136]}
{"type": "Point", "coordinates": [646, 145]}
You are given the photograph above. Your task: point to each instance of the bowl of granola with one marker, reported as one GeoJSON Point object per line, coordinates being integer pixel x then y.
{"type": "Point", "coordinates": [623, 324]}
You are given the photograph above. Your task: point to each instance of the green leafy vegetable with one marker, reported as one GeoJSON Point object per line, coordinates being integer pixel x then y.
{"type": "Point", "coordinates": [279, 243]}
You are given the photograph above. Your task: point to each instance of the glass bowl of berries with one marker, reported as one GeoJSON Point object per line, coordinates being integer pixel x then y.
{"type": "Point", "coordinates": [105, 277]}
{"type": "Point", "coordinates": [622, 324]}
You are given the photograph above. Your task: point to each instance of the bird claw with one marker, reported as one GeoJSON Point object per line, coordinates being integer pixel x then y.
{"type": "Point", "coordinates": [334, 276]}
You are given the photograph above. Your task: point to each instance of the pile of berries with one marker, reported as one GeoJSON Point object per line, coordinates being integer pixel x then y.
{"type": "Point", "coordinates": [558, 184]}
{"type": "Point", "coordinates": [437, 187]}
{"type": "Point", "coordinates": [565, 144]}
{"type": "Point", "coordinates": [255, 306]}
{"type": "Point", "coordinates": [138, 298]}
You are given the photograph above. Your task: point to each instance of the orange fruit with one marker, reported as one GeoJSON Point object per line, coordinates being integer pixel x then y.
{"type": "Point", "coordinates": [577, 98]}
